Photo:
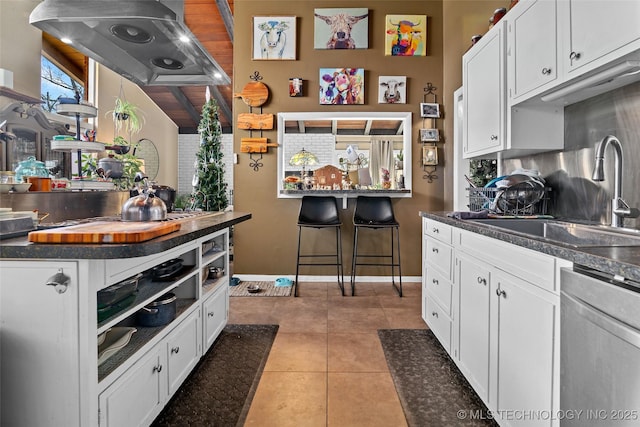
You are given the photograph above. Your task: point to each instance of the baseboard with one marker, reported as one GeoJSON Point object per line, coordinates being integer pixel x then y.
{"type": "Point", "coordinates": [332, 278]}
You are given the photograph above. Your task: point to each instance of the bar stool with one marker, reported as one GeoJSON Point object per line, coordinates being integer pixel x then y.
{"type": "Point", "coordinates": [376, 213]}
{"type": "Point", "coordinates": [320, 212]}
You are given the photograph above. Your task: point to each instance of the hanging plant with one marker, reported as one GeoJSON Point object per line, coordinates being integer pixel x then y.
{"type": "Point", "coordinates": [126, 116]}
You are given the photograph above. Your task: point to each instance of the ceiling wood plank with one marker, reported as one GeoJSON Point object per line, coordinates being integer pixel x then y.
{"type": "Point", "coordinates": [184, 101]}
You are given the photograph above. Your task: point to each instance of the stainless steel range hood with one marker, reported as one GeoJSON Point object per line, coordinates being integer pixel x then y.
{"type": "Point", "coordinates": [139, 39]}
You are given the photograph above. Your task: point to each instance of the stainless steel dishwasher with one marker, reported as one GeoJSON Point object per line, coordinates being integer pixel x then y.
{"type": "Point", "coordinates": [599, 350]}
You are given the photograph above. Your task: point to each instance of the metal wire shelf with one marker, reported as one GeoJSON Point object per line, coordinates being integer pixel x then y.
{"type": "Point", "coordinates": [516, 200]}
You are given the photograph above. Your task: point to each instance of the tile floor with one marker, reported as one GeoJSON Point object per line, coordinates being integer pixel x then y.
{"type": "Point", "coordinates": [326, 367]}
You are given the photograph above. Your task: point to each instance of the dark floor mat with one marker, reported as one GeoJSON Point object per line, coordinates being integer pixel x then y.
{"type": "Point", "coordinates": [219, 391]}
{"type": "Point", "coordinates": [432, 390]}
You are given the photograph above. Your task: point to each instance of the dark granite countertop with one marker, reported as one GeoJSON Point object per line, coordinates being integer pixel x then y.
{"type": "Point", "coordinates": [624, 261]}
{"type": "Point", "coordinates": [190, 229]}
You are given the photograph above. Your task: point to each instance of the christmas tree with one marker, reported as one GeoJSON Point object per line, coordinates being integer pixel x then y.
{"type": "Point", "coordinates": [209, 186]}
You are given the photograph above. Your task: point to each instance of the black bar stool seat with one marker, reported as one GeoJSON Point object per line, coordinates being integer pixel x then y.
{"type": "Point", "coordinates": [376, 213]}
{"type": "Point", "coordinates": [320, 212]}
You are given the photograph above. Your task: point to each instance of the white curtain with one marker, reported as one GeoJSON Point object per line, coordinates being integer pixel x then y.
{"type": "Point", "coordinates": [380, 156]}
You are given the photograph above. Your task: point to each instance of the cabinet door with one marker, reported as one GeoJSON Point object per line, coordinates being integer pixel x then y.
{"type": "Point", "coordinates": [525, 369]}
{"type": "Point", "coordinates": [32, 381]}
{"type": "Point", "coordinates": [215, 313]}
{"type": "Point", "coordinates": [597, 28]}
{"type": "Point", "coordinates": [473, 280]}
{"type": "Point", "coordinates": [484, 95]}
{"type": "Point", "coordinates": [137, 397]}
{"type": "Point", "coordinates": [183, 350]}
{"type": "Point", "coordinates": [532, 47]}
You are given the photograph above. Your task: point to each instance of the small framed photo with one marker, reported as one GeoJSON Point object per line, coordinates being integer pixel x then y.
{"type": "Point", "coordinates": [429, 110]}
{"type": "Point", "coordinates": [429, 135]}
{"type": "Point", "coordinates": [274, 38]}
{"type": "Point", "coordinates": [430, 155]}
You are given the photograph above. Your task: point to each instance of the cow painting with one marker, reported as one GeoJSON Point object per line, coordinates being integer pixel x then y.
{"type": "Point", "coordinates": [274, 38]}
{"type": "Point", "coordinates": [341, 86]}
{"type": "Point", "coordinates": [392, 90]}
{"type": "Point", "coordinates": [405, 36]}
{"type": "Point", "coordinates": [336, 30]}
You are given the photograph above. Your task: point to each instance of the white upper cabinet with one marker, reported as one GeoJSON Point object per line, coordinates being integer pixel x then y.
{"type": "Point", "coordinates": [532, 48]}
{"type": "Point", "coordinates": [484, 95]}
{"type": "Point", "coordinates": [596, 32]}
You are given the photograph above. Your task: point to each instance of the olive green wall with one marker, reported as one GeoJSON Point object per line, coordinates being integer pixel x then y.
{"type": "Point", "coordinates": [267, 243]}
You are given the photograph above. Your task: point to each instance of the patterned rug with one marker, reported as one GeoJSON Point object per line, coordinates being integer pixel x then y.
{"type": "Point", "coordinates": [432, 390]}
{"type": "Point", "coordinates": [220, 389]}
{"type": "Point", "coordinates": [267, 289]}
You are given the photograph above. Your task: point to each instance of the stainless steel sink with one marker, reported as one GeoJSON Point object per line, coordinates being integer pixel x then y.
{"type": "Point", "coordinates": [568, 233]}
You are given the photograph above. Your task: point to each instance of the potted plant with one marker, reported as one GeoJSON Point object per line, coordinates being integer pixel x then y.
{"type": "Point", "coordinates": [126, 116]}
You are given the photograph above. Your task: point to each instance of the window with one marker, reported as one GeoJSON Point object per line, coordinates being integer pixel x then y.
{"type": "Point", "coordinates": [56, 83]}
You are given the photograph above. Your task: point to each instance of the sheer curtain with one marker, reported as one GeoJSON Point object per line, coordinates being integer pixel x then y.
{"type": "Point", "coordinates": [380, 156]}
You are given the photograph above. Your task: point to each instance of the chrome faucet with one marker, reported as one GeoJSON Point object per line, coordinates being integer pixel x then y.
{"type": "Point", "coordinates": [619, 208]}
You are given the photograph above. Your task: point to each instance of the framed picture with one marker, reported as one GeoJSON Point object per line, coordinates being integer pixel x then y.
{"type": "Point", "coordinates": [341, 86]}
{"type": "Point", "coordinates": [429, 110]}
{"type": "Point", "coordinates": [341, 28]}
{"type": "Point", "coordinates": [430, 155]}
{"type": "Point", "coordinates": [392, 90]}
{"type": "Point", "coordinates": [405, 35]}
{"type": "Point", "coordinates": [274, 38]}
{"type": "Point", "coordinates": [429, 135]}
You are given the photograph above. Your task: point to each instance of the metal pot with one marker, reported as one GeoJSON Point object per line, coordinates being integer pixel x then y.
{"type": "Point", "coordinates": [144, 207]}
{"type": "Point", "coordinates": [113, 168]}
{"type": "Point", "coordinates": [167, 194]}
{"type": "Point", "coordinates": [159, 312]}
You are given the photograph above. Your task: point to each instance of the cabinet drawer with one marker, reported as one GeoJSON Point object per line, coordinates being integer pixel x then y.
{"type": "Point", "coordinates": [439, 287]}
{"type": "Point", "coordinates": [439, 256]}
{"type": "Point", "coordinates": [437, 230]}
{"type": "Point", "coordinates": [439, 323]}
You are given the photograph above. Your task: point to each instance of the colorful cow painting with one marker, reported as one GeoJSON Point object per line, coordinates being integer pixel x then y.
{"type": "Point", "coordinates": [274, 37]}
{"type": "Point", "coordinates": [341, 28]}
{"type": "Point", "coordinates": [406, 35]}
{"type": "Point", "coordinates": [341, 86]}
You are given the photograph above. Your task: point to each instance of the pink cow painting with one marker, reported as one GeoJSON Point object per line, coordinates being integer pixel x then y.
{"type": "Point", "coordinates": [339, 31]}
{"type": "Point", "coordinates": [341, 86]}
{"type": "Point", "coordinates": [405, 35]}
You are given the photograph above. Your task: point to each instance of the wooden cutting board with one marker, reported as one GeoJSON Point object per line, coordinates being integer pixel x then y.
{"type": "Point", "coordinates": [105, 232]}
{"type": "Point", "coordinates": [254, 94]}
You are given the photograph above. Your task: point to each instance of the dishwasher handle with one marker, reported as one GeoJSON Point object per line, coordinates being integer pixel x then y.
{"type": "Point", "coordinates": [603, 320]}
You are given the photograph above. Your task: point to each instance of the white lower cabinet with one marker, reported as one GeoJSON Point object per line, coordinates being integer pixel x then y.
{"type": "Point", "coordinates": [473, 279]}
{"type": "Point", "coordinates": [50, 326]}
{"type": "Point", "coordinates": [504, 325]}
{"type": "Point", "coordinates": [138, 396]}
{"type": "Point", "coordinates": [522, 355]}
{"type": "Point", "coordinates": [216, 312]}
{"type": "Point", "coordinates": [183, 347]}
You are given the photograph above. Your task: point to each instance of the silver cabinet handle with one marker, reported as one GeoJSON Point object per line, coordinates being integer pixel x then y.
{"type": "Point", "coordinates": [211, 314]}
{"type": "Point", "coordinates": [175, 350]}
{"type": "Point", "coordinates": [157, 369]}
{"type": "Point", "coordinates": [482, 280]}
{"type": "Point", "coordinates": [494, 137]}
{"type": "Point", "coordinates": [574, 55]}
{"type": "Point", "coordinates": [501, 293]}
{"type": "Point", "coordinates": [434, 250]}
{"type": "Point", "coordinates": [434, 281]}
{"type": "Point", "coordinates": [59, 281]}
{"type": "Point", "coordinates": [435, 314]}
{"type": "Point", "coordinates": [435, 230]}
{"type": "Point", "coordinates": [546, 71]}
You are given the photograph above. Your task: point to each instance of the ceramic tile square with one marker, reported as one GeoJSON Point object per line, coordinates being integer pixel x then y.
{"type": "Point", "coordinates": [356, 319]}
{"type": "Point", "coordinates": [289, 399]}
{"type": "Point", "coordinates": [356, 352]}
{"type": "Point", "coordinates": [363, 400]}
{"type": "Point", "coordinates": [302, 352]}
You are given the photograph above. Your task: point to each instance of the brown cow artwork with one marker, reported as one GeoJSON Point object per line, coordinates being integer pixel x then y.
{"type": "Point", "coordinates": [341, 28]}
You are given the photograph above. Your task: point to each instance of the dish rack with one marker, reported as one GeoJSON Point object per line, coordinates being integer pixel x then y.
{"type": "Point", "coordinates": [509, 201]}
